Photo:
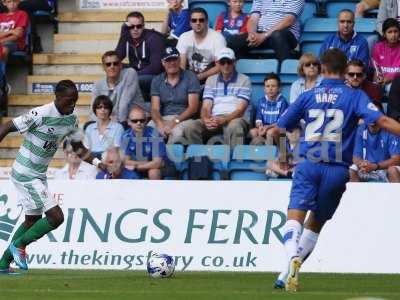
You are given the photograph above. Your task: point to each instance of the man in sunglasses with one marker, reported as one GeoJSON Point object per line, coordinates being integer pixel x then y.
{"type": "Point", "coordinates": [225, 100]}
{"type": "Point", "coordinates": [199, 47]}
{"type": "Point", "coordinates": [144, 147]}
{"type": "Point", "coordinates": [174, 98]}
{"type": "Point", "coordinates": [356, 78]}
{"type": "Point", "coordinates": [143, 48]}
{"type": "Point", "coordinates": [346, 39]}
{"type": "Point", "coordinates": [121, 85]}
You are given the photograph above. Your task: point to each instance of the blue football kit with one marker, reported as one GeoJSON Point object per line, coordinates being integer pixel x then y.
{"type": "Point", "coordinates": [331, 112]}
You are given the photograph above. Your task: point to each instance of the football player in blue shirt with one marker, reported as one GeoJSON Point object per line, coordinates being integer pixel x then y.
{"type": "Point", "coordinates": [331, 112]}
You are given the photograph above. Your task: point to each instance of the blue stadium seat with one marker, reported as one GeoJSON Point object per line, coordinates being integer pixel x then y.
{"type": "Point", "coordinates": [285, 90]}
{"type": "Point", "coordinates": [176, 154]}
{"type": "Point", "coordinates": [213, 8]}
{"type": "Point", "coordinates": [249, 162]}
{"type": "Point", "coordinates": [288, 72]}
{"type": "Point", "coordinates": [311, 47]}
{"type": "Point", "coordinates": [218, 154]}
{"type": "Point", "coordinates": [334, 7]}
{"type": "Point", "coordinates": [316, 29]}
{"type": "Point", "coordinates": [308, 13]}
{"type": "Point", "coordinates": [257, 68]}
{"type": "Point", "coordinates": [247, 6]}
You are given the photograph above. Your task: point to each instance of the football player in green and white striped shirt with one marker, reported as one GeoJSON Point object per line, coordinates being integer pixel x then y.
{"type": "Point", "coordinates": [44, 128]}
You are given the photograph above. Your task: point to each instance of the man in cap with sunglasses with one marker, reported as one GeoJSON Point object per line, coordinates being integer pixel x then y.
{"type": "Point", "coordinates": [174, 98]}
{"type": "Point", "coordinates": [121, 85]}
{"type": "Point", "coordinates": [225, 101]}
{"type": "Point", "coordinates": [144, 147]}
{"type": "Point", "coordinates": [143, 48]}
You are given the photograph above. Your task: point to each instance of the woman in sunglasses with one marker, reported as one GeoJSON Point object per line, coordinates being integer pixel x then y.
{"type": "Point", "coordinates": [104, 133]}
{"type": "Point", "coordinates": [309, 70]}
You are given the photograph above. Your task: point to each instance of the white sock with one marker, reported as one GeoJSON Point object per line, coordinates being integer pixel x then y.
{"type": "Point", "coordinates": [307, 243]}
{"type": "Point", "coordinates": [291, 237]}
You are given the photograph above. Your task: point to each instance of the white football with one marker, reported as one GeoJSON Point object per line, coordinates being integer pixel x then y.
{"type": "Point", "coordinates": [160, 266]}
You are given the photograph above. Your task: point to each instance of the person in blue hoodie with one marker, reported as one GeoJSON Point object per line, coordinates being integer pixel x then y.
{"type": "Point", "coordinates": [354, 45]}
{"type": "Point", "coordinates": [269, 109]}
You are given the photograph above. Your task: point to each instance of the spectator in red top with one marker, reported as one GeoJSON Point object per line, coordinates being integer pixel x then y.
{"type": "Point", "coordinates": [356, 77]}
{"type": "Point", "coordinates": [233, 21]}
{"type": "Point", "coordinates": [13, 26]}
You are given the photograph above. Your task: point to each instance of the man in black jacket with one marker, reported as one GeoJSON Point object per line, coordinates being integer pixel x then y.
{"type": "Point", "coordinates": [143, 47]}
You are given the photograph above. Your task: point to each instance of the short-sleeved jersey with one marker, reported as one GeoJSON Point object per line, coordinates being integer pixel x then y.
{"type": "Point", "coordinates": [44, 128]}
{"type": "Point", "coordinates": [14, 20]}
{"type": "Point", "coordinates": [375, 147]}
{"type": "Point", "coordinates": [331, 112]}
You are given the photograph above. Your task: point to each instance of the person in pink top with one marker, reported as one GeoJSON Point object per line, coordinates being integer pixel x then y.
{"type": "Point", "coordinates": [386, 53]}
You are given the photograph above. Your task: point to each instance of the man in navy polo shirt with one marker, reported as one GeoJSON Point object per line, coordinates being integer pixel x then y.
{"type": "Point", "coordinates": [144, 146]}
{"type": "Point", "coordinates": [331, 112]}
{"type": "Point", "coordinates": [346, 39]}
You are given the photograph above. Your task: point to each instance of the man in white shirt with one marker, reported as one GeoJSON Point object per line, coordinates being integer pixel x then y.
{"type": "Point", "coordinates": [200, 46]}
{"type": "Point", "coordinates": [75, 168]}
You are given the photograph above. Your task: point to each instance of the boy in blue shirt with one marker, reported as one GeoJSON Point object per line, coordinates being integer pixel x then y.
{"type": "Point", "coordinates": [269, 109]}
{"type": "Point", "coordinates": [331, 112]}
{"type": "Point", "coordinates": [376, 155]}
{"type": "Point", "coordinates": [144, 146]}
{"type": "Point", "coordinates": [176, 22]}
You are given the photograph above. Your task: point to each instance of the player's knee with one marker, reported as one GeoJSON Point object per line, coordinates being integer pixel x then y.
{"type": "Point", "coordinates": [55, 217]}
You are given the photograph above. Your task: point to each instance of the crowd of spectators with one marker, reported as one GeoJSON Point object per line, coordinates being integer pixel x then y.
{"type": "Point", "coordinates": [181, 84]}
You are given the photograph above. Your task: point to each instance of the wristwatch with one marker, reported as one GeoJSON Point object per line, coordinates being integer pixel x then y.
{"type": "Point", "coordinates": [177, 121]}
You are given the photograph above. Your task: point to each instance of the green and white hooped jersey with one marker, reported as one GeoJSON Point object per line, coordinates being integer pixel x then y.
{"type": "Point", "coordinates": [44, 128]}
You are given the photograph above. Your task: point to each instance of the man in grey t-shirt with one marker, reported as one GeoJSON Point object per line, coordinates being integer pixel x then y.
{"type": "Point", "coordinates": [174, 98]}
{"type": "Point", "coordinates": [120, 85]}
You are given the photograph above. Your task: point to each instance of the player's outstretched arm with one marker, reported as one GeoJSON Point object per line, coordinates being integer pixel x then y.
{"type": "Point", "coordinates": [389, 124]}
{"type": "Point", "coordinates": [86, 155]}
{"type": "Point", "coordinates": [6, 129]}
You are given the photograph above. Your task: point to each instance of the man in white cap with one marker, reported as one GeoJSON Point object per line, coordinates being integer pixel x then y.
{"type": "Point", "coordinates": [225, 100]}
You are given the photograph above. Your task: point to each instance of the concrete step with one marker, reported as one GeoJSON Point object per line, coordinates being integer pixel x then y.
{"type": "Point", "coordinates": [82, 119]}
{"type": "Point", "coordinates": [61, 64]}
{"type": "Point", "coordinates": [85, 43]}
{"type": "Point", "coordinates": [55, 163]}
{"type": "Point", "coordinates": [37, 100]}
{"type": "Point", "coordinates": [108, 21]}
{"type": "Point", "coordinates": [45, 84]}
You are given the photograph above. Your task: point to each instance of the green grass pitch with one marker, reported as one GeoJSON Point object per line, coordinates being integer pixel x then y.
{"type": "Point", "coordinates": [110, 285]}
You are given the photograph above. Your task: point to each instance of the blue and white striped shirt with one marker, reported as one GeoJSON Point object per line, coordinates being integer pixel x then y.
{"type": "Point", "coordinates": [226, 95]}
{"type": "Point", "coordinates": [272, 12]}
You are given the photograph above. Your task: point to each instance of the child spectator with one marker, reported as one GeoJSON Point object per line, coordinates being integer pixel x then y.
{"type": "Point", "coordinates": [269, 109]}
{"type": "Point", "coordinates": [386, 53]}
{"type": "Point", "coordinates": [234, 21]}
{"type": "Point", "coordinates": [176, 22]}
{"type": "Point", "coordinates": [13, 25]}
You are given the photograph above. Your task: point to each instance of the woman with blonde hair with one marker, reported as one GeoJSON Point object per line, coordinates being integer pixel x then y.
{"type": "Point", "coordinates": [309, 70]}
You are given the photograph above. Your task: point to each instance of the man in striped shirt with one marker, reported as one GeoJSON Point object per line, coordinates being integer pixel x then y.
{"type": "Point", "coordinates": [274, 25]}
{"type": "Point", "coordinates": [44, 128]}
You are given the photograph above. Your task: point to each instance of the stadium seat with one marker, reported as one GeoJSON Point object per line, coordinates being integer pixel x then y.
{"type": "Point", "coordinates": [285, 90]}
{"type": "Point", "coordinates": [334, 7]}
{"type": "Point", "coordinates": [257, 68]}
{"type": "Point", "coordinates": [249, 162]}
{"type": "Point", "coordinates": [288, 72]}
{"type": "Point", "coordinates": [311, 47]}
{"type": "Point", "coordinates": [176, 154]}
{"type": "Point", "coordinates": [213, 8]}
{"type": "Point", "coordinates": [308, 12]}
{"type": "Point", "coordinates": [247, 6]}
{"type": "Point", "coordinates": [218, 154]}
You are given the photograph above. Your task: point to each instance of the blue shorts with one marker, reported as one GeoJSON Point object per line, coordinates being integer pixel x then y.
{"type": "Point", "coordinates": [318, 187]}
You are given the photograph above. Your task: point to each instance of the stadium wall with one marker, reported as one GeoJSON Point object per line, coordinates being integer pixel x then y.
{"type": "Point", "coordinates": [217, 226]}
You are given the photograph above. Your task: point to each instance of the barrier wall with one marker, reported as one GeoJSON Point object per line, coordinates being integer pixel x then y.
{"type": "Point", "coordinates": [218, 226]}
